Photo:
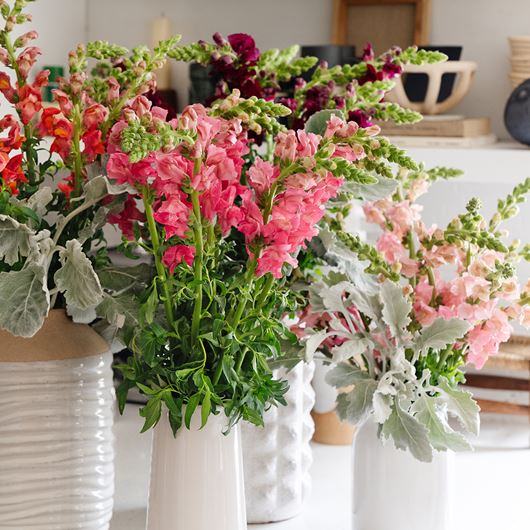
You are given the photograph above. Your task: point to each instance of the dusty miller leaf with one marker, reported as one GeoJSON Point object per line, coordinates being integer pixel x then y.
{"type": "Point", "coordinates": [429, 412]}
{"type": "Point", "coordinates": [25, 300]}
{"type": "Point", "coordinates": [39, 200]}
{"type": "Point", "coordinates": [313, 343]}
{"type": "Point", "coordinates": [441, 333]}
{"type": "Point", "coordinates": [344, 375]}
{"type": "Point", "coordinates": [461, 405]}
{"type": "Point", "coordinates": [77, 279]}
{"type": "Point", "coordinates": [407, 433]}
{"type": "Point", "coordinates": [384, 187]}
{"type": "Point", "coordinates": [355, 406]}
{"type": "Point", "coordinates": [16, 240]}
{"type": "Point", "coordinates": [318, 122]}
{"type": "Point", "coordinates": [396, 308]}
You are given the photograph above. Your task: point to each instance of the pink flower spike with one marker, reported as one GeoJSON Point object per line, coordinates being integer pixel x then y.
{"type": "Point", "coordinates": [272, 259]}
{"type": "Point", "coordinates": [177, 254]}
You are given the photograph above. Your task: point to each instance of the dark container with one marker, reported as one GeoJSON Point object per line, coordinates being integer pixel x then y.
{"type": "Point", "coordinates": [202, 86]}
{"type": "Point", "coordinates": [517, 113]}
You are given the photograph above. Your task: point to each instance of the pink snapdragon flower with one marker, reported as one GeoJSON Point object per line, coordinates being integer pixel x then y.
{"type": "Point", "coordinates": [261, 175]}
{"type": "Point", "coordinates": [177, 254]}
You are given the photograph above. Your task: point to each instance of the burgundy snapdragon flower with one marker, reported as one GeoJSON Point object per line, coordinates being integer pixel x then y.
{"type": "Point", "coordinates": [245, 47]}
{"type": "Point", "coordinates": [363, 119]}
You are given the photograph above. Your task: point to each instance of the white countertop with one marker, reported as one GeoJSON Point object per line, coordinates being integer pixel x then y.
{"type": "Point", "coordinates": [492, 486]}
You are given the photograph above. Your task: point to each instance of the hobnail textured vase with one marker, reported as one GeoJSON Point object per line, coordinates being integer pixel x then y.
{"type": "Point", "coordinates": [196, 477]}
{"type": "Point", "coordinates": [277, 458]}
{"type": "Point", "coordinates": [56, 440]}
{"type": "Point", "coordinates": [414, 495]}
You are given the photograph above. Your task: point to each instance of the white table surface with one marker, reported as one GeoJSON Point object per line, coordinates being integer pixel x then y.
{"type": "Point", "coordinates": [492, 483]}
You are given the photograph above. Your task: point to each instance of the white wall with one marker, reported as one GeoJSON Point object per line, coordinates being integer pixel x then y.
{"type": "Point", "coordinates": [273, 23]}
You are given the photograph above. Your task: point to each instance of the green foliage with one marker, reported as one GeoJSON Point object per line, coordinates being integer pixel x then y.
{"type": "Point", "coordinates": [284, 63]}
{"type": "Point", "coordinates": [256, 114]}
{"type": "Point", "coordinates": [227, 366]}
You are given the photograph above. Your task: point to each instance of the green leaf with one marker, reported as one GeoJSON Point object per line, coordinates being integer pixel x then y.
{"type": "Point", "coordinates": [190, 408]}
{"type": "Point", "coordinates": [461, 405]}
{"type": "Point", "coordinates": [441, 333]}
{"type": "Point", "coordinates": [150, 306]}
{"type": "Point", "coordinates": [76, 278]}
{"type": "Point", "coordinates": [356, 405]}
{"type": "Point", "coordinates": [396, 308]}
{"type": "Point", "coordinates": [16, 240]}
{"type": "Point", "coordinates": [25, 300]}
{"type": "Point", "coordinates": [206, 408]}
{"type": "Point", "coordinates": [318, 122]}
{"type": "Point", "coordinates": [122, 392]}
{"type": "Point", "coordinates": [151, 412]}
{"type": "Point", "coordinates": [408, 433]}
{"type": "Point", "coordinates": [146, 390]}
{"type": "Point", "coordinates": [429, 412]}
{"type": "Point", "coordinates": [344, 375]}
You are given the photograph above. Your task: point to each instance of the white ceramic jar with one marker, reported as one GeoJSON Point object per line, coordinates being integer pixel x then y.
{"type": "Point", "coordinates": [196, 477]}
{"type": "Point", "coordinates": [329, 429]}
{"type": "Point", "coordinates": [278, 456]}
{"type": "Point", "coordinates": [393, 491]}
{"type": "Point", "coordinates": [56, 440]}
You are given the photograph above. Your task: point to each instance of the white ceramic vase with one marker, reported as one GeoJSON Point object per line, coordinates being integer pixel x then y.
{"type": "Point", "coordinates": [393, 491]}
{"type": "Point", "coordinates": [56, 440]}
{"type": "Point", "coordinates": [196, 477]}
{"type": "Point", "coordinates": [278, 457]}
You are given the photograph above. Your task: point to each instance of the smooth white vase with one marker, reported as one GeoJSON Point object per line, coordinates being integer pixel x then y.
{"type": "Point", "coordinates": [56, 440]}
{"type": "Point", "coordinates": [394, 491]}
{"type": "Point", "coordinates": [278, 457]}
{"type": "Point", "coordinates": [196, 477]}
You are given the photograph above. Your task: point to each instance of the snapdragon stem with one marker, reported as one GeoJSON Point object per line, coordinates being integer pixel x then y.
{"type": "Point", "coordinates": [197, 266]}
{"type": "Point", "coordinates": [265, 290]}
{"type": "Point", "coordinates": [76, 151]}
{"type": "Point", "coordinates": [248, 280]}
{"type": "Point", "coordinates": [161, 271]}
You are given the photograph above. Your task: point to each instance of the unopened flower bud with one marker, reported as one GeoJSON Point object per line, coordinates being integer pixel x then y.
{"type": "Point", "coordinates": [218, 39]}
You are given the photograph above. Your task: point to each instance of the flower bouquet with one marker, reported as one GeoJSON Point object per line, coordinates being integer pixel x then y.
{"type": "Point", "coordinates": [400, 330]}
{"type": "Point", "coordinates": [54, 201]}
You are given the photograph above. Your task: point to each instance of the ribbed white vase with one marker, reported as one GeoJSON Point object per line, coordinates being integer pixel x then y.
{"type": "Point", "coordinates": [56, 440]}
{"type": "Point", "coordinates": [277, 458]}
{"type": "Point", "coordinates": [196, 477]}
{"type": "Point", "coordinates": [393, 491]}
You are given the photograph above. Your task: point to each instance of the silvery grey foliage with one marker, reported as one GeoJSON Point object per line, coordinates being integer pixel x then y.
{"type": "Point", "coordinates": [377, 356]}
{"type": "Point", "coordinates": [25, 291]}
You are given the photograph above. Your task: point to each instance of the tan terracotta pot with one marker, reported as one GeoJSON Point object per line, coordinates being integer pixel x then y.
{"type": "Point", "coordinates": [58, 339]}
{"type": "Point", "coordinates": [330, 430]}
